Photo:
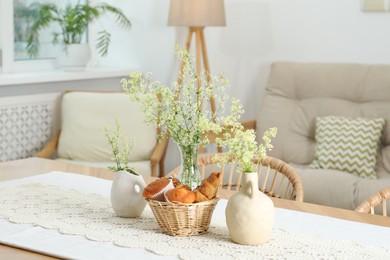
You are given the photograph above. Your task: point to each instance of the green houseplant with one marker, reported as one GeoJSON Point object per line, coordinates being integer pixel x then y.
{"type": "Point", "coordinates": [73, 21]}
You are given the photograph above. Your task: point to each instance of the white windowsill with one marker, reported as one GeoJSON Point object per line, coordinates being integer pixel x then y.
{"type": "Point", "coordinates": [20, 78]}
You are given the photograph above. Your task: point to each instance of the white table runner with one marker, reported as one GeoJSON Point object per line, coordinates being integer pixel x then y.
{"type": "Point", "coordinates": [296, 234]}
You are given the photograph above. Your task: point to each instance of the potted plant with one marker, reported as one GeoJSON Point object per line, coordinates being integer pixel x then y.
{"type": "Point", "coordinates": [249, 212]}
{"type": "Point", "coordinates": [127, 186]}
{"type": "Point", "coordinates": [73, 22]}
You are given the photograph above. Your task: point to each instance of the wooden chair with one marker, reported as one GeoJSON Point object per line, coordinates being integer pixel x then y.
{"type": "Point", "coordinates": [378, 199]}
{"type": "Point", "coordinates": [81, 139]}
{"type": "Point", "coordinates": [276, 178]}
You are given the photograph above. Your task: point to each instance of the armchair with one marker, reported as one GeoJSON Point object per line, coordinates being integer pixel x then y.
{"type": "Point", "coordinates": [298, 93]}
{"type": "Point", "coordinates": [81, 139]}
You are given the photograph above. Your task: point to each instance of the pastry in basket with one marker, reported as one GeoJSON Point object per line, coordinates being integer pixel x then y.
{"type": "Point", "coordinates": [199, 197]}
{"type": "Point", "coordinates": [176, 182]}
{"type": "Point", "coordinates": [180, 194]}
{"type": "Point", "coordinates": [155, 190]}
{"type": "Point", "coordinates": [208, 188]}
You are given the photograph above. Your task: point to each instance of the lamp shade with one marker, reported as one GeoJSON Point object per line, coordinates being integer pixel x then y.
{"type": "Point", "coordinates": [197, 13]}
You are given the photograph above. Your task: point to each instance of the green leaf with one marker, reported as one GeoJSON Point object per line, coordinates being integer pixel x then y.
{"type": "Point", "coordinates": [122, 20]}
{"type": "Point", "coordinates": [45, 16]}
{"type": "Point", "coordinates": [103, 42]}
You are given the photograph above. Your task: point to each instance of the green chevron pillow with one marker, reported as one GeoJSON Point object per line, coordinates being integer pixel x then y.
{"type": "Point", "coordinates": [348, 144]}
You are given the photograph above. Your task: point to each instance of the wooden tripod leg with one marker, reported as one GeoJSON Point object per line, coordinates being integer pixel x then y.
{"type": "Point", "coordinates": [198, 46]}
{"type": "Point", "coordinates": [188, 45]}
{"type": "Point", "coordinates": [189, 38]}
{"type": "Point", "coordinates": [207, 67]}
{"type": "Point", "coordinates": [208, 75]}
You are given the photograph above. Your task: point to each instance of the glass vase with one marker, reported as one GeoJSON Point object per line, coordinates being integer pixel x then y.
{"type": "Point", "coordinates": [189, 173]}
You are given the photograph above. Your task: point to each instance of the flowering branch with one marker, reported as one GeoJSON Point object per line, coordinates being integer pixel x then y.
{"type": "Point", "coordinates": [120, 148]}
{"type": "Point", "coordinates": [178, 110]}
{"type": "Point", "coordinates": [244, 148]}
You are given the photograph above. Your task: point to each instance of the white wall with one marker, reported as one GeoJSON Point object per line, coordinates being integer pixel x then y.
{"type": "Point", "coordinates": [257, 33]}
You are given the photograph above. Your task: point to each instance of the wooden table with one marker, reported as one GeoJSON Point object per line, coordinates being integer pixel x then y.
{"type": "Point", "coordinates": [35, 166]}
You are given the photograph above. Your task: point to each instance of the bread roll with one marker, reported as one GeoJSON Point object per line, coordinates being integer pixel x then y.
{"type": "Point", "coordinates": [181, 185]}
{"type": "Point", "coordinates": [181, 195]}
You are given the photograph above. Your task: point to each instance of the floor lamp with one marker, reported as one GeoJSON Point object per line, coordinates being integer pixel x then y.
{"type": "Point", "coordinates": [196, 14]}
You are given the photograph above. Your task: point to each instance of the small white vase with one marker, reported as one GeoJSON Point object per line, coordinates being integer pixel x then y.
{"type": "Point", "coordinates": [75, 57]}
{"type": "Point", "coordinates": [250, 213]}
{"type": "Point", "coordinates": [126, 194]}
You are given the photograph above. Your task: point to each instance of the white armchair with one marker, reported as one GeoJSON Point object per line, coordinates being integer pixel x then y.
{"type": "Point", "coordinates": [82, 140]}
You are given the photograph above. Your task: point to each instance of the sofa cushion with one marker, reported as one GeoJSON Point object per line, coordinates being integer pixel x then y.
{"type": "Point", "coordinates": [84, 115]}
{"type": "Point", "coordinates": [328, 187]}
{"type": "Point", "coordinates": [336, 188]}
{"type": "Point", "coordinates": [348, 144]}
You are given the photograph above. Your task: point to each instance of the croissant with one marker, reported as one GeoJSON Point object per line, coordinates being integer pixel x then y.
{"type": "Point", "coordinates": [199, 197]}
{"type": "Point", "coordinates": [209, 187]}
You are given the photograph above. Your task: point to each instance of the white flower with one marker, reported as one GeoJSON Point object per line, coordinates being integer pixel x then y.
{"type": "Point", "coordinates": [120, 148]}
{"type": "Point", "coordinates": [243, 147]}
{"type": "Point", "coordinates": [179, 109]}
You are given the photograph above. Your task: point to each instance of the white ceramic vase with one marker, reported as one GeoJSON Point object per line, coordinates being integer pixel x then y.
{"type": "Point", "coordinates": [75, 57]}
{"type": "Point", "coordinates": [250, 213]}
{"type": "Point", "coordinates": [126, 195]}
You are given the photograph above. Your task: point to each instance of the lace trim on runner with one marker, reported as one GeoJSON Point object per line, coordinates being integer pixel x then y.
{"type": "Point", "coordinates": [75, 213]}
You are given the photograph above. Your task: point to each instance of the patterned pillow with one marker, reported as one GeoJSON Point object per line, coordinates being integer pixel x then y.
{"type": "Point", "coordinates": [348, 144]}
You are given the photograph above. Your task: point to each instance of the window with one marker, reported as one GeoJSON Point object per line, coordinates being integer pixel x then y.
{"type": "Point", "coordinates": [25, 13]}
{"type": "Point", "coordinates": [16, 17]}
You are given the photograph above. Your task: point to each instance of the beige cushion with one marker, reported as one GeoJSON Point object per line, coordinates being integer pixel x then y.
{"type": "Point", "coordinates": [141, 167]}
{"type": "Point", "coordinates": [84, 115]}
{"type": "Point", "coordinates": [328, 187]}
{"type": "Point", "coordinates": [348, 144]}
{"type": "Point", "coordinates": [336, 188]}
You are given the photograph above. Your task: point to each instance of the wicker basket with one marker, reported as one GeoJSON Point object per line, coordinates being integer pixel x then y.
{"type": "Point", "coordinates": [183, 219]}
